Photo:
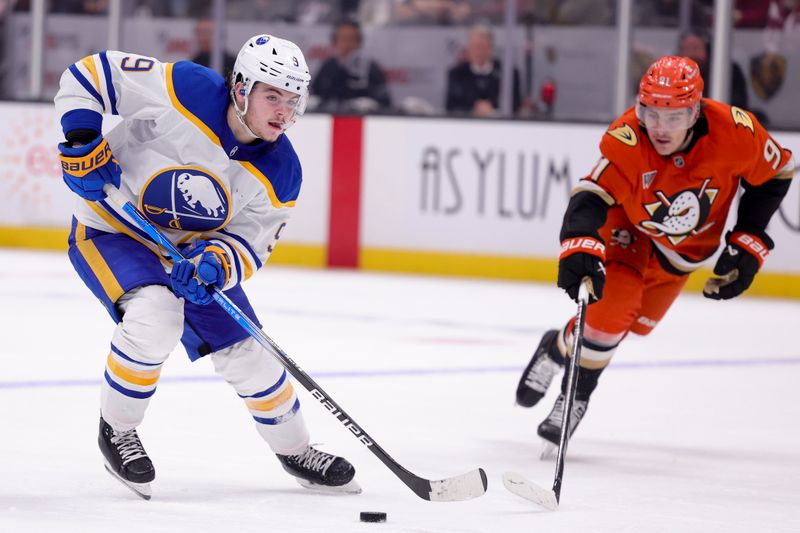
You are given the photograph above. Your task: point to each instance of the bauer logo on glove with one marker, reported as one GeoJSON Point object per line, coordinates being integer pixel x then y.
{"type": "Point", "coordinates": [87, 169]}
{"type": "Point", "coordinates": [81, 165]}
{"type": "Point", "coordinates": [738, 264]}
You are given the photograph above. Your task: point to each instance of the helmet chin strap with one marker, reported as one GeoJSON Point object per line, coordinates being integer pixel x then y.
{"type": "Point", "coordinates": [241, 113]}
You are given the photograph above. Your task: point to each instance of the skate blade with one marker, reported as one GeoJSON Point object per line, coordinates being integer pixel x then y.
{"type": "Point", "coordinates": [140, 489]}
{"type": "Point", "coordinates": [548, 450]}
{"type": "Point", "coordinates": [348, 488]}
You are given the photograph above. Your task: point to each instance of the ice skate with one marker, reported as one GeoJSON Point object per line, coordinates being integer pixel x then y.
{"type": "Point", "coordinates": [321, 471]}
{"type": "Point", "coordinates": [550, 429]}
{"type": "Point", "coordinates": [126, 459]}
{"type": "Point", "coordinates": [546, 362]}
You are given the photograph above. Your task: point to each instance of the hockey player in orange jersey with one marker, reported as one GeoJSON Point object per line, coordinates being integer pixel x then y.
{"type": "Point", "coordinates": [653, 210]}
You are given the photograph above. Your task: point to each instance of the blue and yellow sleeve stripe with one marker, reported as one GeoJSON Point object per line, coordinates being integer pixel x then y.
{"type": "Point", "coordinates": [93, 73]}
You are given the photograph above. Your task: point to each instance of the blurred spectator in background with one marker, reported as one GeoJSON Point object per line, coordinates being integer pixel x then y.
{"type": "Point", "coordinates": [262, 10]}
{"type": "Point", "coordinates": [751, 13]}
{"type": "Point", "coordinates": [473, 86]}
{"type": "Point", "coordinates": [431, 12]}
{"type": "Point", "coordinates": [666, 13]}
{"type": "Point", "coordinates": [82, 7]}
{"type": "Point", "coordinates": [204, 41]}
{"type": "Point", "coordinates": [349, 81]}
{"type": "Point", "coordinates": [291, 11]}
{"type": "Point", "coordinates": [5, 9]}
{"type": "Point", "coordinates": [586, 12]}
{"type": "Point", "coordinates": [696, 44]}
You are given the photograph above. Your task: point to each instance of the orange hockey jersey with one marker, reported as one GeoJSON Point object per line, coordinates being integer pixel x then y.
{"type": "Point", "coordinates": [682, 201]}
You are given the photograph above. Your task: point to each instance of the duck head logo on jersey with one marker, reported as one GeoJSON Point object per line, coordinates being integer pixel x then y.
{"type": "Point", "coordinates": [185, 198]}
{"type": "Point", "coordinates": [682, 215]}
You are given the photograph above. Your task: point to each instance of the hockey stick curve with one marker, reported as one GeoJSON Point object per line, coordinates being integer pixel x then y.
{"type": "Point", "coordinates": [519, 484]}
{"type": "Point", "coordinates": [458, 488]}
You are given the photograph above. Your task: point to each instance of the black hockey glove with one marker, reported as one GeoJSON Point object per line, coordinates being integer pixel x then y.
{"type": "Point", "coordinates": [737, 265]}
{"type": "Point", "coordinates": [582, 257]}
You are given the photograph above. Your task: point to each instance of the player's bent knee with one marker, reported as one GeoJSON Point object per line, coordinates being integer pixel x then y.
{"type": "Point", "coordinates": [152, 324]}
{"type": "Point", "coordinates": [247, 366]}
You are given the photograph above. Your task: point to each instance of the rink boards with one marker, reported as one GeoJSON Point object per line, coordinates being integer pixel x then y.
{"type": "Point", "coordinates": [442, 196]}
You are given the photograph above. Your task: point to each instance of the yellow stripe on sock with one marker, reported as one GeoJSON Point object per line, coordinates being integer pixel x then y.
{"type": "Point", "coordinates": [272, 403]}
{"type": "Point", "coordinates": [137, 377]}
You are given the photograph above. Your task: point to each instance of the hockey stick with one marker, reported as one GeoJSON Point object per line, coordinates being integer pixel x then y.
{"type": "Point", "coordinates": [462, 487]}
{"type": "Point", "coordinates": [517, 483]}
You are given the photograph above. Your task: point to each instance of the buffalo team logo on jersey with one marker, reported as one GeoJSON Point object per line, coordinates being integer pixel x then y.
{"type": "Point", "coordinates": [185, 198]}
{"type": "Point", "coordinates": [682, 215]}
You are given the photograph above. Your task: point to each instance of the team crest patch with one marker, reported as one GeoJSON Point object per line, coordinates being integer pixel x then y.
{"type": "Point", "coordinates": [682, 215]}
{"type": "Point", "coordinates": [624, 134]}
{"type": "Point", "coordinates": [185, 198]}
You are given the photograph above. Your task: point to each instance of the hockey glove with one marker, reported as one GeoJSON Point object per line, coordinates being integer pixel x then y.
{"type": "Point", "coordinates": [737, 265]}
{"type": "Point", "coordinates": [86, 168]}
{"type": "Point", "coordinates": [206, 266]}
{"type": "Point", "coordinates": [582, 257]}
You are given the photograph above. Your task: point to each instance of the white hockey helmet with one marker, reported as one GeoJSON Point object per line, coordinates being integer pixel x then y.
{"type": "Point", "coordinates": [276, 62]}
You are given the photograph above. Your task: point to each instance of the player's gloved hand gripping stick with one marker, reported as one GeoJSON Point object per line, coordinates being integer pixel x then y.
{"type": "Point", "coordinates": [463, 487]}
{"type": "Point", "coordinates": [738, 264]}
{"type": "Point", "coordinates": [517, 483]}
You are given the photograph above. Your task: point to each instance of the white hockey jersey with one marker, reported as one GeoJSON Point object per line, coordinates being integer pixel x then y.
{"type": "Point", "coordinates": [181, 164]}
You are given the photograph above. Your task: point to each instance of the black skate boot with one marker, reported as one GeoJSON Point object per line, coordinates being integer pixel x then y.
{"type": "Point", "coordinates": [550, 429]}
{"type": "Point", "coordinates": [546, 362]}
{"type": "Point", "coordinates": [321, 471]}
{"type": "Point", "coordinates": [126, 459]}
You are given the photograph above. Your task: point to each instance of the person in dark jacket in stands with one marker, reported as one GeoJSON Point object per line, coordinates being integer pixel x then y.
{"type": "Point", "coordinates": [204, 36]}
{"type": "Point", "coordinates": [696, 44]}
{"type": "Point", "coordinates": [349, 81]}
{"type": "Point", "coordinates": [474, 85]}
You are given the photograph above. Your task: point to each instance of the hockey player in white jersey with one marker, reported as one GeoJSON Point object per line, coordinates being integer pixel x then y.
{"type": "Point", "coordinates": [210, 164]}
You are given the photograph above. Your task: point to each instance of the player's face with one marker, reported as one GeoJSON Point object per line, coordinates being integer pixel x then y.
{"type": "Point", "coordinates": [666, 142]}
{"type": "Point", "coordinates": [270, 111]}
{"type": "Point", "coordinates": [666, 127]}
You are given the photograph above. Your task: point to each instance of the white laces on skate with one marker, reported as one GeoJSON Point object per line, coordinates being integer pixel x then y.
{"type": "Point", "coordinates": [557, 414]}
{"type": "Point", "coordinates": [129, 446]}
{"type": "Point", "coordinates": [542, 373]}
{"type": "Point", "coordinates": [315, 460]}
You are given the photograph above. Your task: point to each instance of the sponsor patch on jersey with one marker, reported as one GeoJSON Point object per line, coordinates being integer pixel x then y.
{"type": "Point", "coordinates": [185, 198]}
{"type": "Point", "coordinates": [624, 134]}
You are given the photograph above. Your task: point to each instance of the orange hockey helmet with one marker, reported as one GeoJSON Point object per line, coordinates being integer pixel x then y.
{"type": "Point", "coordinates": [671, 81]}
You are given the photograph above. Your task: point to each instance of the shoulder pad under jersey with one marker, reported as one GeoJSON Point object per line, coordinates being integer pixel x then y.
{"type": "Point", "coordinates": [200, 91]}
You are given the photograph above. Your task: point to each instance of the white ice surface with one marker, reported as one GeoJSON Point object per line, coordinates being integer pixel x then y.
{"type": "Point", "coordinates": [695, 428]}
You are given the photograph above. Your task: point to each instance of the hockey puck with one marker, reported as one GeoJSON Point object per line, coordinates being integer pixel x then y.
{"type": "Point", "coordinates": [373, 517]}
